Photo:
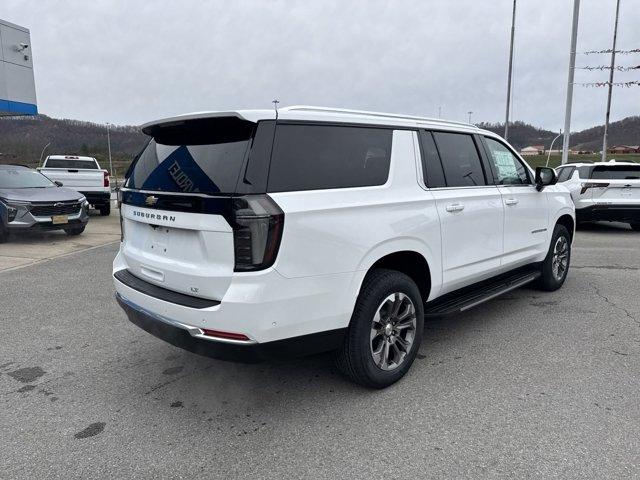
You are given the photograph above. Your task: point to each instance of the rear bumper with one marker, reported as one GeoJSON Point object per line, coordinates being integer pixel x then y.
{"type": "Point", "coordinates": [97, 198]}
{"type": "Point", "coordinates": [609, 212]}
{"type": "Point", "coordinates": [264, 305]}
{"type": "Point", "coordinates": [192, 339]}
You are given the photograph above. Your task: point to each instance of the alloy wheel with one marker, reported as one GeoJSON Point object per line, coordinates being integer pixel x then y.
{"type": "Point", "coordinates": [393, 331]}
{"type": "Point", "coordinates": [560, 259]}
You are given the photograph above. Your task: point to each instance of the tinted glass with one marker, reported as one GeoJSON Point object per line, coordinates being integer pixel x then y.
{"type": "Point", "coordinates": [565, 174]}
{"type": "Point", "coordinates": [72, 164]}
{"type": "Point", "coordinates": [433, 174]}
{"type": "Point", "coordinates": [315, 157]}
{"type": "Point", "coordinates": [196, 156]}
{"type": "Point", "coordinates": [616, 172]}
{"type": "Point", "coordinates": [584, 172]}
{"type": "Point", "coordinates": [509, 169]}
{"type": "Point", "coordinates": [23, 178]}
{"type": "Point", "coordinates": [460, 160]}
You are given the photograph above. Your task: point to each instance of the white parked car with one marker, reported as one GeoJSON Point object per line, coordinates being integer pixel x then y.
{"type": "Point", "coordinates": [82, 174]}
{"type": "Point", "coordinates": [249, 235]}
{"type": "Point", "coordinates": [604, 190]}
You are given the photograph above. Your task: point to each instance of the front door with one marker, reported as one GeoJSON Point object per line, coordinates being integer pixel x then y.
{"type": "Point", "coordinates": [525, 208]}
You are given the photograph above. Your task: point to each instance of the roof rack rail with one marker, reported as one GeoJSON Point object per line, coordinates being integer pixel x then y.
{"type": "Point", "coordinates": [309, 108]}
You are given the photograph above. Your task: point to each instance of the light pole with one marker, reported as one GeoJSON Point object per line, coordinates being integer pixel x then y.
{"type": "Point", "coordinates": [572, 64]}
{"type": "Point", "coordinates": [613, 64]}
{"type": "Point", "coordinates": [513, 31]}
{"type": "Point", "coordinates": [551, 147]}
{"type": "Point", "coordinates": [109, 149]}
{"type": "Point", "coordinates": [470, 113]}
{"type": "Point", "coordinates": [42, 153]}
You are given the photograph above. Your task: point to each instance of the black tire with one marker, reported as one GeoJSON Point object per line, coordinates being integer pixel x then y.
{"type": "Point", "coordinates": [74, 230]}
{"type": "Point", "coordinates": [635, 226]}
{"type": "Point", "coordinates": [105, 210]}
{"type": "Point", "coordinates": [552, 279]}
{"type": "Point", "coordinates": [356, 357]}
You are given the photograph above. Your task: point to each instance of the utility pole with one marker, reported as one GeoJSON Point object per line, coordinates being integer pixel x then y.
{"type": "Point", "coordinates": [572, 65]}
{"type": "Point", "coordinates": [613, 64]}
{"type": "Point", "coordinates": [109, 148]}
{"type": "Point", "coordinates": [470, 113]}
{"type": "Point", "coordinates": [513, 30]}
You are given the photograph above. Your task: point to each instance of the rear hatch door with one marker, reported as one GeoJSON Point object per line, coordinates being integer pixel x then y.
{"type": "Point", "coordinates": [616, 184]}
{"type": "Point", "coordinates": [177, 202]}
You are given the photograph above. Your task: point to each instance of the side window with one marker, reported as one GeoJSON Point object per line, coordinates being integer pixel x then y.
{"type": "Point", "coordinates": [431, 166]}
{"type": "Point", "coordinates": [508, 167]}
{"type": "Point", "coordinates": [316, 157]}
{"type": "Point", "coordinates": [565, 174]}
{"type": "Point", "coordinates": [585, 171]}
{"type": "Point", "coordinates": [460, 159]}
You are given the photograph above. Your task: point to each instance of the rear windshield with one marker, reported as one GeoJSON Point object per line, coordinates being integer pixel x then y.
{"type": "Point", "coordinates": [71, 164]}
{"type": "Point", "coordinates": [616, 172]}
{"type": "Point", "coordinates": [193, 156]}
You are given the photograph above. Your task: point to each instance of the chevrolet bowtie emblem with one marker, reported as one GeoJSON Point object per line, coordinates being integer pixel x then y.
{"type": "Point", "coordinates": [151, 200]}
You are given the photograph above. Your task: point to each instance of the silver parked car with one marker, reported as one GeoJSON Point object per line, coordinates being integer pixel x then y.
{"type": "Point", "coordinates": [29, 200]}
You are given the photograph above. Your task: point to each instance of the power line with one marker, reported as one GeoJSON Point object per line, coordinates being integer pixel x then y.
{"type": "Point", "coordinates": [618, 68]}
{"type": "Point", "coordinates": [612, 50]}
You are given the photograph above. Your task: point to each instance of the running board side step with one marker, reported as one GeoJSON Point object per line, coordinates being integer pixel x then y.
{"type": "Point", "coordinates": [459, 302]}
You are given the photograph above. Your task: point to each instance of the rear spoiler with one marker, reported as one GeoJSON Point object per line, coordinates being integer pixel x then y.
{"type": "Point", "coordinates": [247, 116]}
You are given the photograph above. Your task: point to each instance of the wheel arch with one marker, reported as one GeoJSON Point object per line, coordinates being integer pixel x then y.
{"type": "Point", "coordinates": [412, 264]}
{"type": "Point", "coordinates": [568, 222]}
{"type": "Point", "coordinates": [412, 258]}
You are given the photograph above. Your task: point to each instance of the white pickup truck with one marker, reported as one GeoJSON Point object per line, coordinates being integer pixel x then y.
{"type": "Point", "coordinates": [82, 174]}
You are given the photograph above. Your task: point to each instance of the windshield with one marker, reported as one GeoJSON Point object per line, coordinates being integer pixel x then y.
{"type": "Point", "coordinates": [23, 178]}
{"type": "Point", "coordinates": [73, 164]}
{"type": "Point", "coordinates": [204, 156]}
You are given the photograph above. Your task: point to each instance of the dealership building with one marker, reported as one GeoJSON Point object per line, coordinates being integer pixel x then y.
{"type": "Point", "coordinates": [17, 86]}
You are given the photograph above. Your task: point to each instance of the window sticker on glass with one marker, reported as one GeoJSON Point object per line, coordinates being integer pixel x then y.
{"type": "Point", "coordinates": [504, 163]}
{"type": "Point", "coordinates": [509, 169]}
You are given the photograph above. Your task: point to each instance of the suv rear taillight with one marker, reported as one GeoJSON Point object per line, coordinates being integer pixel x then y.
{"type": "Point", "coordinates": [586, 186]}
{"type": "Point", "coordinates": [106, 179]}
{"type": "Point", "coordinates": [257, 231]}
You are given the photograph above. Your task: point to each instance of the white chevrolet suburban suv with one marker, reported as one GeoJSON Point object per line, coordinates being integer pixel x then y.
{"type": "Point", "coordinates": [258, 234]}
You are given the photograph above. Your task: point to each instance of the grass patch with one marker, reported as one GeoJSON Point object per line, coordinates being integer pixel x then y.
{"type": "Point", "coordinates": [554, 161]}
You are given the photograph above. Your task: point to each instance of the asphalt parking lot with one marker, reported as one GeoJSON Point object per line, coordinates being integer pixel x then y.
{"type": "Point", "coordinates": [27, 248]}
{"type": "Point", "coordinates": [532, 384]}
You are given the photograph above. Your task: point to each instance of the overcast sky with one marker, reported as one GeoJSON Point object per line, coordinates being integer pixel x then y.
{"type": "Point", "coordinates": [128, 62]}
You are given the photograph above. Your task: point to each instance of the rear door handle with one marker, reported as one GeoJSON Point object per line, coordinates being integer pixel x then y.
{"type": "Point", "coordinates": [511, 201]}
{"type": "Point", "coordinates": [455, 207]}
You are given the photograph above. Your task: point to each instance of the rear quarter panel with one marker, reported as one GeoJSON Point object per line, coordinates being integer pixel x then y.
{"type": "Point", "coordinates": [347, 230]}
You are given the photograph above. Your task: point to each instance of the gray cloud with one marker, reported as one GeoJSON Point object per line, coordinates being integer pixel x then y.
{"type": "Point", "coordinates": [129, 62]}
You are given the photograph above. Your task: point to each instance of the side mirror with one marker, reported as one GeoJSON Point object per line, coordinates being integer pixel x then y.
{"type": "Point", "coordinates": [58, 183]}
{"type": "Point", "coordinates": [545, 176]}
